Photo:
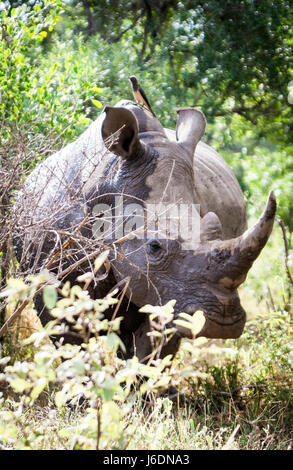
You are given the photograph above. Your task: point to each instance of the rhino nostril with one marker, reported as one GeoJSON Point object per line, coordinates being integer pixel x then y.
{"type": "Point", "coordinates": [190, 309]}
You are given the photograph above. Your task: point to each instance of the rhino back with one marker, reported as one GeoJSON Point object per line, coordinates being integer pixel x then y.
{"type": "Point", "coordinates": [61, 178]}
{"type": "Point", "coordinates": [218, 190]}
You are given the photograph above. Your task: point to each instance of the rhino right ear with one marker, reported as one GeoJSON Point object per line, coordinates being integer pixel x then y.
{"type": "Point", "coordinates": [191, 124]}
{"type": "Point", "coordinates": [120, 132]}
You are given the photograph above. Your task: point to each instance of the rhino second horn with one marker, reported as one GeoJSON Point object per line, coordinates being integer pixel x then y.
{"type": "Point", "coordinates": [191, 124]}
{"type": "Point", "coordinates": [246, 248]}
{"type": "Point", "coordinates": [210, 228]}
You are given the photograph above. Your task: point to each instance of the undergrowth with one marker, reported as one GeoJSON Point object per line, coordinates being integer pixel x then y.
{"type": "Point", "coordinates": [233, 394]}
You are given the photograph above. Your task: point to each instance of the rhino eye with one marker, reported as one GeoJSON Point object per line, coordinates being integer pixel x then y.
{"type": "Point", "coordinates": [155, 246]}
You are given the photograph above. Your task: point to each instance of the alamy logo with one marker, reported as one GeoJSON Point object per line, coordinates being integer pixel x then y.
{"type": "Point", "coordinates": [145, 222]}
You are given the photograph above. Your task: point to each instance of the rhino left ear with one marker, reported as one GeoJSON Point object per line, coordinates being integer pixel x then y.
{"type": "Point", "coordinates": [120, 132]}
{"type": "Point", "coordinates": [191, 124]}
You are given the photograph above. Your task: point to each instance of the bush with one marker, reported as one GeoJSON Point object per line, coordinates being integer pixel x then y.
{"type": "Point", "coordinates": [232, 390]}
{"type": "Point", "coordinates": [37, 96]}
{"type": "Point", "coordinates": [92, 371]}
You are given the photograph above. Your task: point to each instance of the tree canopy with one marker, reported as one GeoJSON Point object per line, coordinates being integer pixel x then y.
{"type": "Point", "coordinates": [230, 57]}
{"type": "Point", "coordinates": [61, 61]}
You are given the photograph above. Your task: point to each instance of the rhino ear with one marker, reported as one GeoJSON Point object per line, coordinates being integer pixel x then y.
{"type": "Point", "coordinates": [210, 228]}
{"type": "Point", "coordinates": [120, 132]}
{"type": "Point", "coordinates": [191, 124]}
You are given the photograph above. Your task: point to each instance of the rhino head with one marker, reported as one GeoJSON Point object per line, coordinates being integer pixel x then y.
{"type": "Point", "coordinates": [154, 168]}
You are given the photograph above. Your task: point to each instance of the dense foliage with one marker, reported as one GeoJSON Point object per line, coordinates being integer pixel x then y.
{"type": "Point", "coordinates": [236, 395]}
{"type": "Point", "coordinates": [59, 60]}
{"type": "Point", "coordinates": [230, 57]}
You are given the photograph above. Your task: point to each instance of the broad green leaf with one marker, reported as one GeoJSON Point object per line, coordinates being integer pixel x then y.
{"type": "Point", "coordinates": [113, 342]}
{"type": "Point", "coordinates": [50, 297]}
{"type": "Point", "coordinates": [194, 322]}
{"type": "Point", "coordinates": [78, 365]}
{"type": "Point", "coordinates": [157, 311]}
{"type": "Point", "coordinates": [19, 385]}
{"type": "Point", "coordinates": [157, 334]}
{"type": "Point", "coordinates": [97, 103]}
{"type": "Point", "coordinates": [66, 289]}
{"type": "Point", "coordinates": [60, 399]}
{"type": "Point", "coordinates": [36, 391]}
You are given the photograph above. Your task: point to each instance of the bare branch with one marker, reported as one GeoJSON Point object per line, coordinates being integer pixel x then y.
{"type": "Point", "coordinates": [286, 254]}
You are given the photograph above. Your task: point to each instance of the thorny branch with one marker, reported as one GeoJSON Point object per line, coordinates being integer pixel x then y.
{"type": "Point", "coordinates": [286, 253]}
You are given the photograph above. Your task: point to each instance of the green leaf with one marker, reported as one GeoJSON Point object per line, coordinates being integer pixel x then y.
{"type": "Point", "coordinates": [194, 322]}
{"type": "Point", "coordinates": [38, 388]}
{"type": "Point", "coordinates": [66, 289]}
{"type": "Point", "coordinates": [78, 365]}
{"type": "Point", "coordinates": [50, 297]}
{"type": "Point", "coordinates": [60, 399]}
{"type": "Point", "coordinates": [20, 385]}
{"type": "Point", "coordinates": [113, 342]}
{"type": "Point", "coordinates": [183, 323]}
{"type": "Point", "coordinates": [157, 334]}
{"type": "Point", "coordinates": [100, 260]}
{"type": "Point", "coordinates": [97, 103]}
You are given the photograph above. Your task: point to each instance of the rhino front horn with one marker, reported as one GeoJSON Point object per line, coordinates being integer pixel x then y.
{"type": "Point", "coordinates": [245, 249]}
{"type": "Point", "coordinates": [254, 239]}
{"type": "Point", "coordinates": [191, 124]}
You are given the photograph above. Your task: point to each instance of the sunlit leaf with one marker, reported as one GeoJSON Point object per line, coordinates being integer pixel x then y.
{"type": "Point", "coordinates": [97, 103]}
{"type": "Point", "coordinates": [60, 399]}
{"type": "Point", "coordinates": [194, 323]}
{"type": "Point", "coordinates": [19, 385]}
{"type": "Point", "coordinates": [38, 388]}
{"type": "Point", "coordinates": [100, 260]}
{"type": "Point", "coordinates": [50, 297]}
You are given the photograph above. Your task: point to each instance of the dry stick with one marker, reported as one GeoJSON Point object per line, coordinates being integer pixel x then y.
{"type": "Point", "coordinates": [62, 207]}
{"type": "Point", "coordinates": [92, 255]}
{"type": "Point", "coordinates": [98, 424]}
{"type": "Point", "coordinates": [18, 311]}
{"type": "Point", "coordinates": [79, 262]}
{"type": "Point", "coordinates": [271, 299]}
{"type": "Point", "coordinates": [127, 281]}
{"type": "Point", "coordinates": [66, 243]}
{"type": "Point", "coordinates": [289, 275]}
{"type": "Point", "coordinates": [230, 440]}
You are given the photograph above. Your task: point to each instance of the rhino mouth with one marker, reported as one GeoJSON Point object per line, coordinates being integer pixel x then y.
{"type": "Point", "coordinates": [227, 324]}
{"type": "Point", "coordinates": [223, 328]}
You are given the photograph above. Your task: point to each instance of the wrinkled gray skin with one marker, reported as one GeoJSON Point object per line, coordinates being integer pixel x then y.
{"type": "Point", "coordinates": [152, 164]}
